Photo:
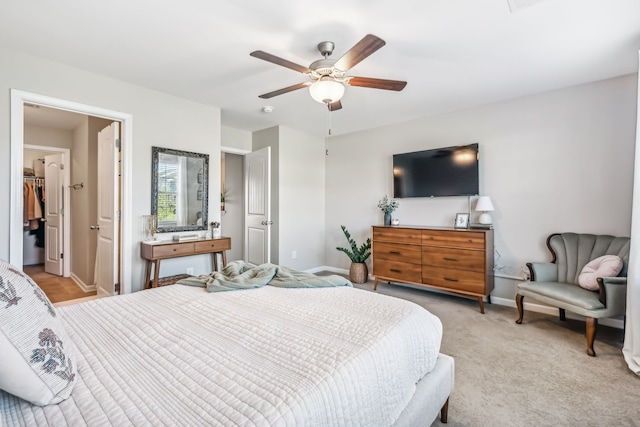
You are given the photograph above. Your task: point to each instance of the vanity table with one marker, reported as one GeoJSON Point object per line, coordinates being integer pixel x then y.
{"type": "Point", "coordinates": [155, 252]}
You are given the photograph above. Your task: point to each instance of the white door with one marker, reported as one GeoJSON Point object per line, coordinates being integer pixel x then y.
{"type": "Point", "coordinates": [53, 213]}
{"type": "Point", "coordinates": [108, 224]}
{"type": "Point", "coordinates": [257, 181]}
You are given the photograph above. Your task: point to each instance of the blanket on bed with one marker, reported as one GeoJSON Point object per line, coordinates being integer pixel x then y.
{"type": "Point", "coordinates": [243, 275]}
{"type": "Point", "coordinates": [181, 356]}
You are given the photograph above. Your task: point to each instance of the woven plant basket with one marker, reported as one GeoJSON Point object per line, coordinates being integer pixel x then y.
{"type": "Point", "coordinates": [358, 272]}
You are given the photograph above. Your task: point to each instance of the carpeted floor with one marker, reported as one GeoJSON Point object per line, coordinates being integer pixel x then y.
{"type": "Point", "coordinates": [534, 374]}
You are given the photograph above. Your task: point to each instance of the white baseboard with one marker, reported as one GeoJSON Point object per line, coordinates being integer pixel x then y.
{"type": "Point", "coordinates": [82, 285]}
{"type": "Point", "coordinates": [538, 308]}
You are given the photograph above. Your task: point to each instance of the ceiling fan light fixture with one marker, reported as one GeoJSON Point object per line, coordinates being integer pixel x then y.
{"type": "Point", "coordinates": [326, 91]}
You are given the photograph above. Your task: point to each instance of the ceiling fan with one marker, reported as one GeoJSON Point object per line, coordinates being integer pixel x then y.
{"type": "Point", "coordinates": [328, 76]}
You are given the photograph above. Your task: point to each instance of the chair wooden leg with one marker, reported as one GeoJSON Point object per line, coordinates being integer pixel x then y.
{"type": "Point", "coordinates": [444, 412]}
{"type": "Point", "coordinates": [563, 316]}
{"type": "Point", "coordinates": [592, 325]}
{"type": "Point", "coordinates": [519, 299]}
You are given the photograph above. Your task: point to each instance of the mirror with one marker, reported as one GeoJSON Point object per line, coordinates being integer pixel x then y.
{"type": "Point", "coordinates": [179, 189]}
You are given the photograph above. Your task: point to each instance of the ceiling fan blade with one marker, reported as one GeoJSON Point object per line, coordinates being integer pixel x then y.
{"type": "Point", "coordinates": [285, 90]}
{"type": "Point", "coordinates": [279, 61]}
{"type": "Point", "coordinates": [335, 106]}
{"type": "Point", "coordinates": [360, 51]}
{"type": "Point", "coordinates": [396, 85]}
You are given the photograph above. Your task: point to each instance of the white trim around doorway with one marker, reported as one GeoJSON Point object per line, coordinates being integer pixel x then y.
{"type": "Point", "coordinates": [18, 99]}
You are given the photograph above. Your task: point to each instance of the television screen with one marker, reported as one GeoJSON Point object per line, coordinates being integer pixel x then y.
{"type": "Point", "coordinates": [449, 171]}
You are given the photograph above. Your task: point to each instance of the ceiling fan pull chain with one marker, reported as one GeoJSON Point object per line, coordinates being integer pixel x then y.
{"type": "Point", "coordinates": [326, 143]}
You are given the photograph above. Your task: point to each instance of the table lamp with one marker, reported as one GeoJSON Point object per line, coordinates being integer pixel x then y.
{"type": "Point", "coordinates": [484, 205]}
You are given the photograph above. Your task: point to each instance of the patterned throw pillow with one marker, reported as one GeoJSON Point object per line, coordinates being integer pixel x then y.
{"type": "Point", "coordinates": [36, 356]}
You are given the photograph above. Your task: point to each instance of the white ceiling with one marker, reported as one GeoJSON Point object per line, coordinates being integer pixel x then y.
{"type": "Point", "coordinates": [454, 54]}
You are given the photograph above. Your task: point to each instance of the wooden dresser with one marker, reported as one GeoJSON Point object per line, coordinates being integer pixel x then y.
{"type": "Point", "coordinates": [154, 252]}
{"type": "Point", "coordinates": [453, 260]}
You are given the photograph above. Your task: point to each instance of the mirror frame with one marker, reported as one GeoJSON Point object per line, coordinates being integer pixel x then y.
{"type": "Point", "coordinates": [155, 152]}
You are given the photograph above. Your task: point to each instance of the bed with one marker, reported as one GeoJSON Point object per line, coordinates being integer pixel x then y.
{"type": "Point", "coordinates": [270, 356]}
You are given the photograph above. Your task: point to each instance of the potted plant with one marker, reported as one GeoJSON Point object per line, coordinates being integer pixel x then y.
{"type": "Point", "coordinates": [387, 206]}
{"type": "Point", "coordinates": [358, 272]}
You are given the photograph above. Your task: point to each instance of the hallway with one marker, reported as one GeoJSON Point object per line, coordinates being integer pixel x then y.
{"type": "Point", "coordinates": [56, 288]}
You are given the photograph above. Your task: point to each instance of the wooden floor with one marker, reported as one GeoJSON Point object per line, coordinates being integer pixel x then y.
{"type": "Point", "coordinates": [55, 287]}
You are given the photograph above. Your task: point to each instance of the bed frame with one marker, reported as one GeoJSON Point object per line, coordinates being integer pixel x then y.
{"type": "Point", "coordinates": [431, 396]}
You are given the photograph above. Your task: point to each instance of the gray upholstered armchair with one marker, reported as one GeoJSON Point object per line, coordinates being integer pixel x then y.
{"type": "Point", "coordinates": [556, 283]}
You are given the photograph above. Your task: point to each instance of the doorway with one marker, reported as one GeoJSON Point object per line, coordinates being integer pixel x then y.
{"type": "Point", "coordinates": [232, 202]}
{"type": "Point", "coordinates": [19, 99]}
{"type": "Point", "coordinates": [60, 179]}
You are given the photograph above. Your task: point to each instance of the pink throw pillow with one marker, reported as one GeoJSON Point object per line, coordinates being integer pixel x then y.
{"type": "Point", "coordinates": [604, 266]}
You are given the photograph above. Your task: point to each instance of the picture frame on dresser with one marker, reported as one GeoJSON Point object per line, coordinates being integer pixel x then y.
{"type": "Point", "coordinates": [462, 221]}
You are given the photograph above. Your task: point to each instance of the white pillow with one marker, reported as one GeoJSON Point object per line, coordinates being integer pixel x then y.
{"type": "Point", "coordinates": [604, 266]}
{"type": "Point", "coordinates": [36, 357]}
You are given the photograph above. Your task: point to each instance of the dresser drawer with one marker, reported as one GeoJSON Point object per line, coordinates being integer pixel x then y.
{"type": "Point", "coordinates": [456, 239]}
{"type": "Point", "coordinates": [461, 280]}
{"type": "Point", "coordinates": [397, 235]}
{"type": "Point", "coordinates": [397, 252]}
{"type": "Point", "coordinates": [160, 251]}
{"type": "Point", "coordinates": [401, 271]}
{"type": "Point", "coordinates": [213, 245]}
{"type": "Point", "coordinates": [453, 258]}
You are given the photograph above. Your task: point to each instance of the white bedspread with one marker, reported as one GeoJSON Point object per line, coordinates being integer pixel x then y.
{"type": "Point", "coordinates": [180, 356]}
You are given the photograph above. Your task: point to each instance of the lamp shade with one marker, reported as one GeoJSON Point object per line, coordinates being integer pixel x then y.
{"type": "Point", "coordinates": [326, 91]}
{"type": "Point", "coordinates": [484, 204]}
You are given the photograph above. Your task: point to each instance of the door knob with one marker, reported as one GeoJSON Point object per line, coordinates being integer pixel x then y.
{"type": "Point", "coordinates": [266, 222]}
{"type": "Point", "coordinates": [94, 227]}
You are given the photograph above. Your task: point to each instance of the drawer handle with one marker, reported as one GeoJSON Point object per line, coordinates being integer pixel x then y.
{"type": "Point", "coordinates": [394, 252]}
{"type": "Point", "coordinates": [395, 271]}
{"type": "Point", "coordinates": [449, 279]}
{"type": "Point", "coordinates": [450, 259]}
{"type": "Point", "coordinates": [174, 249]}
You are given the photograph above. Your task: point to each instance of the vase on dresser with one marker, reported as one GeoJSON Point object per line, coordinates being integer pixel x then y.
{"type": "Point", "coordinates": [387, 218]}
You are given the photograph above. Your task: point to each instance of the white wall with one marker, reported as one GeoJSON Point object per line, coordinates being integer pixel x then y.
{"type": "Point", "coordinates": [297, 196]}
{"type": "Point", "coordinates": [302, 199]}
{"type": "Point", "coordinates": [158, 119]}
{"type": "Point", "coordinates": [236, 140]}
{"type": "Point", "coordinates": [555, 161]}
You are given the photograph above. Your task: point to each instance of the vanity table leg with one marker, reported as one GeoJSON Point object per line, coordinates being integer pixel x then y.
{"type": "Point", "coordinates": [214, 257]}
{"type": "Point", "coordinates": [147, 275]}
{"type": "Point", "coordinates": [156, 273]}
{"type": "Point", "coordinates": [224, 258]}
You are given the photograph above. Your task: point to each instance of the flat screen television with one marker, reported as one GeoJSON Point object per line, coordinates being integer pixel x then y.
{"type": "Point", "coordinates": [448, 171]}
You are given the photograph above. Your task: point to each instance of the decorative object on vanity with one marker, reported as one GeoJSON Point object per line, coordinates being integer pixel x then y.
{"type": "Point", "coordinates": [215, 229]}
{"type": "Point", "coordinates": [388, 206]}
{"type": "Point", "coordinates": [395, 221]}
{"type": "Point", "coordinates": [461, 221]}
{"type": "Point", "coordinates": [358, 272]}
{"type": "Point", "coordinates": [484, 205]}
{"type": "Point", "coordinates": [149, 228]}
{"type": "Point", "coordinates": [458, 261]}
{"type": "Point", "coordinates": [185, 237]}
{"type": "Point", "coordinates": [179, 189]}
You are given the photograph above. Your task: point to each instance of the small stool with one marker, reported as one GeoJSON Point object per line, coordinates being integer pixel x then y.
{"type": "Point", "coordinates": [169, 280]}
